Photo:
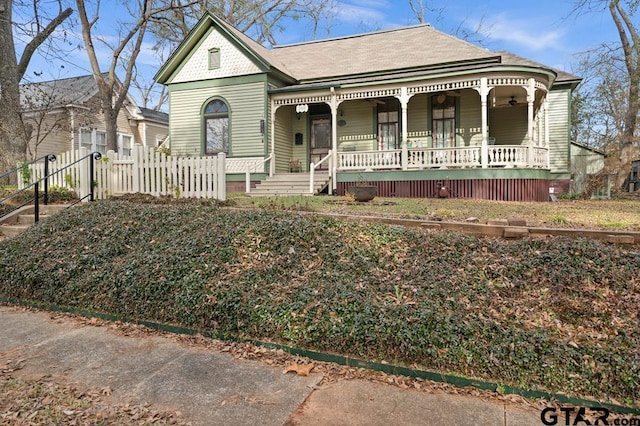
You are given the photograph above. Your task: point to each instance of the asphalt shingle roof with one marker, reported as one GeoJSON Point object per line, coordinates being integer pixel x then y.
{"type": "Point", "coordinates": [402, 48]}
{"type": "Point", "coordinates": [57, 93]}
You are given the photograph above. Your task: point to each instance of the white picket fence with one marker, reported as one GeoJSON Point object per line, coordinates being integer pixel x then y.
{"type": "Point", "coordinates": [147, 171]}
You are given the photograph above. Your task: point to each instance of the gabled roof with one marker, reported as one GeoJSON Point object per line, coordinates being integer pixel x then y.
{"type": "Point", "coordinates": [57, 93]}
{"type": "Point", "coordinates": [405, 48]}
{"type": "Point", "coordinates": [258, 53]}
{"type": "Point", "coordinates": [153, 115]}
{"type": "Point", "coordinates": [406, 52]}
{"type": "Point", "coordinates": [589, 148]}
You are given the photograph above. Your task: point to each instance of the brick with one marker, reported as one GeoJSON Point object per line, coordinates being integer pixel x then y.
{"type": "Point", "coordinates": [515, 232]}
{"type": "Point", "coordinates": [514, 221]}
{"type": "Point", "coordinates": [499, 222]}
{"type": "Point", "coordinates": [434, 226]}
{"type": "Point", "coordinates": [620, 239]}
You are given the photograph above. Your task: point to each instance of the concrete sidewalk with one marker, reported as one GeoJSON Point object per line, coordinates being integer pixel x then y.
{"type": "Point", "coordinates": [213, 388]}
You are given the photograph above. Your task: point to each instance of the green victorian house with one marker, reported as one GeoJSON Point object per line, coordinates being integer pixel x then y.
{"type": "Point", "coordinates": [412, 111]}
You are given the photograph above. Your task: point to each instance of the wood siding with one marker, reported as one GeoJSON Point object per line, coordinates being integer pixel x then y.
{"type": "Point", "coordinates": [508, 125]}
{"type": "Point", "coordinates": [246, 105]}
{"type": "Point", "coordinates": [154, 134]}
{"type": "Point", "coordinates": [585, 161]}
{"type": "Point", "coordinates": [299, 152]}
{"type": "Point", "coordinates": [54, 136]}
{"type": "Point", "coordinates": [359, 118]}
{"type": "Point", "coordinates": [469, 131]}
{"type": "Point", "coordinates": [559, 130]}
{"type": "Point", "coordinates": [283, 135]}
{"type": "Point", "coordinates": [60, 139]}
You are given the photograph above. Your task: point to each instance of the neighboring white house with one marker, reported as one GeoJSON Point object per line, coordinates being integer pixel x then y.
{"type": "Point", "coordinates": [409, 110]}
{"type": "Point", "coordinates": [66, 114]}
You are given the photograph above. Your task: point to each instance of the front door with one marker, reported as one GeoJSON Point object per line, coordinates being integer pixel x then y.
{"type": "Point", "coordinates": [320, 141]}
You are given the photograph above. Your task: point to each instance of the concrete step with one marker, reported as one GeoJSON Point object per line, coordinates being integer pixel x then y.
{"type": "Point", "coordinates": [282, 185]}
{"type": "Point", "coordinates": [296, 177]}
{"type": "Point", "coordinates": [30, 219]}
{"type": "Point", "coordinates": [18, 221]}
{"type": "Point", "coordinates": [10, 231]}
{"type": "Point", "coordinates": [276, 193]}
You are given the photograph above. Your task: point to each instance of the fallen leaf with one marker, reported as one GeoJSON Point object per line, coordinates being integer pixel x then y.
{"type": "Point", "coordinates": [299, 369]}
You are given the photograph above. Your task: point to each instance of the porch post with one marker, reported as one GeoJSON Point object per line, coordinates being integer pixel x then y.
{"type": "Point", "coordinates": [404, 101]}
{"type": "Point", "coordinates": [531, 96]}
{"type": "Point", "coordinates": [546, 128]}
{"type": "Point", "coordinates": [484, 150]}
{"type": "Point", "coordinates": [334, 138]}
{"type": "Point", "coordinates": [272, 136]}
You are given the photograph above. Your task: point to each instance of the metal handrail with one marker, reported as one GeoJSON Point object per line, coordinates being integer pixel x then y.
{"type": "Point", "coordinates": [36, 185]}
{"type": "Point", "coordinates": [49, 157]}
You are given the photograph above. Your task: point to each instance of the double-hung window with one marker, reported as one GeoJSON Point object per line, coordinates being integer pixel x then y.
{"type": "Point", "coordinates": [96, 140]}
{"type": "Point", "coordinates": [93, 140]}
{"type": "Point", "coordinates": [125, 142]}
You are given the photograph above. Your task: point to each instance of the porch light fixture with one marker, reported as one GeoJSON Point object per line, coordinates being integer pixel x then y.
{"type": "Point", "coordinates": [300, 109]}
{"type": "Point", "coordinates": [441, 98]}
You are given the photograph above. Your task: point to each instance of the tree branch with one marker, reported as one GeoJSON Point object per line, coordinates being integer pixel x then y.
{"type": "Point", "coordinates": [31, 47]}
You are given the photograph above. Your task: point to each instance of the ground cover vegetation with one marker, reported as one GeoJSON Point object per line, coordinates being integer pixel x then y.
{"type": "Point", "coordinates": [555, 314]}
{"type": "Point", "coordinates": [56, 194]}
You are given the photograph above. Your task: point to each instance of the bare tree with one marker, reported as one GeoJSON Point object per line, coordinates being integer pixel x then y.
{"type": "Point", "coordinates": [259, 19]}
{"type": "Point", "coordinates": [622, 13]}
{"type": "Point", "coordinates": [598, 105]}
{"type": "Point", "coordinates": [124, 53]}
{"type": "Point", "coordinates": [321, 12]}
{"type": "Point", "coordinates": [421, 8]}
{"type": "Point", "coordinates": [14, 134]}
{"type": "Point", "coordinates": [40, 113]}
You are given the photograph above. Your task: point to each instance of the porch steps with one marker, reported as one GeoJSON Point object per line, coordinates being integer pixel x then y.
{"type": "Point", "coordinates": [290, 184]}
{"type": "Point", "coordinates": [22, 219]}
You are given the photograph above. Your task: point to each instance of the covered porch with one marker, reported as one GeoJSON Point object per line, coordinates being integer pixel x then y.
{"type": "Point", "coordinates": [478, 123]}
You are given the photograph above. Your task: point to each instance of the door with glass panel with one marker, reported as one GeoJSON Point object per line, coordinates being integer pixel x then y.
{"type": "Point", "coordinates": [320, 141]}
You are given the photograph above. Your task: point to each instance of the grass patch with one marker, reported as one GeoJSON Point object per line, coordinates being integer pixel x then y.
{"type": "Point", "coordinates": [613, 214]}
{"type": "Point", "coordinates": [555, 314]}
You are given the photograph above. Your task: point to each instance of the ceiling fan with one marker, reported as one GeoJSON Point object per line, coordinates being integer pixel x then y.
{"type": "Point", "coordinates": [513, 102]}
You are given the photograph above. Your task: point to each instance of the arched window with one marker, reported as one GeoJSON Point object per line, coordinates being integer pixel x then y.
{"type": "Point", "coordinates": [216, 127]}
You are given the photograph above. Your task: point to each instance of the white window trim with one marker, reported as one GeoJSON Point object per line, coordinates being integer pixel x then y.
{"type": "Point", "coordinates": [214, 58]}
{"type": "Point", "coordinates": [94, 138]}
{"type": "Point", "coordinates": [121, 148]}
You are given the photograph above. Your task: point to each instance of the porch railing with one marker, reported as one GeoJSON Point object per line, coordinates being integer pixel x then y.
{"type": "Point", "coordinates": [254, 166]}
{"type": "Point", "coordinates": [369, 160]}
{"type": "Point", "coordinates": [313, 167]}
{"type": "Point", "coordinates": [508, 155]}
{"type": "Point", "coordinates": [517, 156]}
{"type": "Point", "coordinates": [444, 157]}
